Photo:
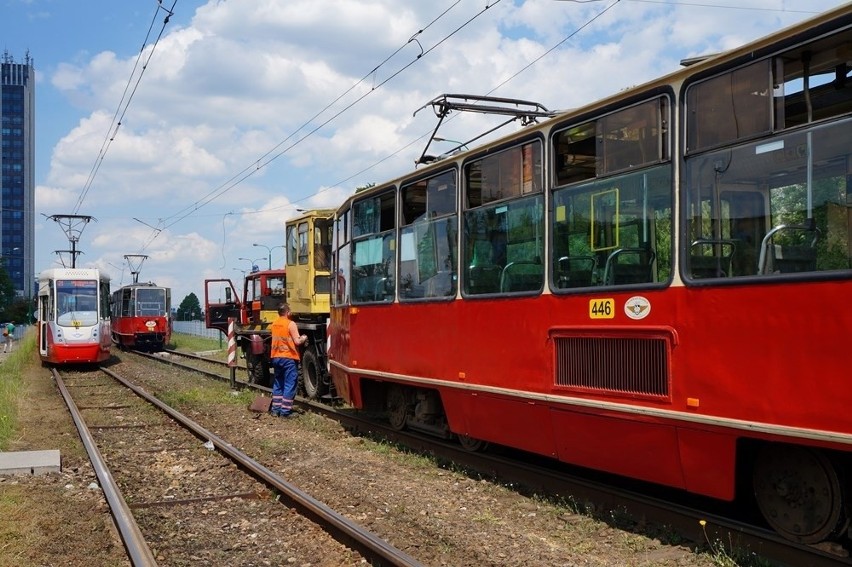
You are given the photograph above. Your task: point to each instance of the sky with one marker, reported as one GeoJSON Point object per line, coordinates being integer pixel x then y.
{"type": "Point", "coordinates": [189, 140]}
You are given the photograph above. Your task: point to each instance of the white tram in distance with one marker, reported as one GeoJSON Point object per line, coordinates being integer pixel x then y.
{"type": "Point", "coordinates": [73, 316]}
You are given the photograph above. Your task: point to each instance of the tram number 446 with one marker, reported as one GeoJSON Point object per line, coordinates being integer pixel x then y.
{"type": "Point", "coordinates": [602, 308]}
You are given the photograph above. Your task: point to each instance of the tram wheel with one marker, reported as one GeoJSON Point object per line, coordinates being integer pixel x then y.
{"type": "Point", "coordinates": [472, 444]}
{"type": "Point", "coordinates": [798, 492]}
{"type": "Point", "coordinates": [397, 407]}
{"type": "Point", "coordinates": [312, 376]}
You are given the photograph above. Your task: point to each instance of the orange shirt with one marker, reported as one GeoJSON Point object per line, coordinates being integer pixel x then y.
{"type": "Point", "coordinates": [283, 345]}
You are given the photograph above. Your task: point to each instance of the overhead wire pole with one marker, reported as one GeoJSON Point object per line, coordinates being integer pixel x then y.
{"type": "Point", "coordinates": [135, 268]}
{"type": "Point", "coordinates": [72, 226]}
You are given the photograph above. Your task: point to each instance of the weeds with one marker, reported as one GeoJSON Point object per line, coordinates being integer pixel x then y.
{"type": "Point", "coordinates": [10, 386]}
{"type": "Point", "coordinates": [728, 555]}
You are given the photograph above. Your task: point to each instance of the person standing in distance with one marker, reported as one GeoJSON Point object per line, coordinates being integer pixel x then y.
{"type": "Point", "coordinates": [285, 356]}
{"type": "Point", "coordinates": [8, 333]}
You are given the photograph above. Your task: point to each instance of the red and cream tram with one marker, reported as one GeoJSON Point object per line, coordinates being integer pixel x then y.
{"type": "Point", "coordinates": [655, 285]}
{"type": "Point", "coordinates": [73, 316]}
{"type": "Point", "coordinates": [141, 316]}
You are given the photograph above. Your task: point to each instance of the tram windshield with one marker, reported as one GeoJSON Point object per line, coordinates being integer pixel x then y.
{"type": "Point", "coordinates": [151, 302]}
{"type": "Point", "coordinates": [76, 303]}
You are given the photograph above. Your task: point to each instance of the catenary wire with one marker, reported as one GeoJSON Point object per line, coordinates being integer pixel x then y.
{"type": "Point", "coordinates": [119, 114]}
{"type": "Point", "coordinates": [246, 173]}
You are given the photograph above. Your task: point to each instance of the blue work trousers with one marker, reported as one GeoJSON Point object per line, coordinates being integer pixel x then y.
{"type": "Point", "coordinates": [286, 377]}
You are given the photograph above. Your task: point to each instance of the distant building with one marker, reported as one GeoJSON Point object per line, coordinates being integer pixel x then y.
{"type": "Point", "coordinates": [17, 163]}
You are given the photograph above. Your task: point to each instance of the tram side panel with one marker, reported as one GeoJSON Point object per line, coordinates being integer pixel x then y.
{"type": "Point", "coordinates": [729, 376]}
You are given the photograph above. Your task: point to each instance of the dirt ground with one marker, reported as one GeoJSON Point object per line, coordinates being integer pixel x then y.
{"type": "Point", "coordinates": [439, 516]}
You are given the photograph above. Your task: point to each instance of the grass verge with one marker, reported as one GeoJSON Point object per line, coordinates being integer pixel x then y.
{"type": "Point", "coordinates": [10, 386]}
{"type": "Point", "coordinates": [192, 343]}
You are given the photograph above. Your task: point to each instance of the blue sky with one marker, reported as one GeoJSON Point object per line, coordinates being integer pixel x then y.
{"type": "Point", "coordinates": [230, 81]}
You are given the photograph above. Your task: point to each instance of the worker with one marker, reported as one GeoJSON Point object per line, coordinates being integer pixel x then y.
{"type": "Point", "coordinates": [285, 357]}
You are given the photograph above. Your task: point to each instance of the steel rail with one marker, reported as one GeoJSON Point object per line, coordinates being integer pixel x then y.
{"type": "Point", "coordinates": [687, 521]}
{"type": "Point", "coordinates": [204, 360]}
{"type": "Point", "coordinates": [134, 542]}
{"type": "Point", "coordinates": [346, 530]}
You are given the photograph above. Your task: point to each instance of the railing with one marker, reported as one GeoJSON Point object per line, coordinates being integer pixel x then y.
{"type": "Point", "coordinates": [195, 328]}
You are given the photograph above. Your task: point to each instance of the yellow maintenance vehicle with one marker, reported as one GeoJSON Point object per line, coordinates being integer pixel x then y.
{"type": "Point", "coordinates": [304, 283]}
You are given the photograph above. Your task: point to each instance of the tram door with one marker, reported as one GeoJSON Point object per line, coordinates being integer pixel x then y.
{"type": "Point", "coordinates": [44, 310]}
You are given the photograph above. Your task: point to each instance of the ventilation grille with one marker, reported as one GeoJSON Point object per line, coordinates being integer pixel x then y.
{"type": "Point", "coordinates": [636, 366]}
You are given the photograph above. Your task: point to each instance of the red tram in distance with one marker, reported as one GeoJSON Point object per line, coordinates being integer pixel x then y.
{"type": "Point", "coordinates": [73, 316]}
{"type": "Point", "coordinates": [141, 317]}
{"type": "Point", "coordinates": [654, 285]}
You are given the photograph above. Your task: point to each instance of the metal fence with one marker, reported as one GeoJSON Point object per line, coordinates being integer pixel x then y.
{"type": "Point", "coordinates": [195, 328]}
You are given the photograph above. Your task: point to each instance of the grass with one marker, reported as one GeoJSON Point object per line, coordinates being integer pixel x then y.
{"type": "Point", "coordinates": [10, 386]}
{"type": "Point", "coordinates": [194, 397]}
{"type": "Point", "coordinates": [192, 343]}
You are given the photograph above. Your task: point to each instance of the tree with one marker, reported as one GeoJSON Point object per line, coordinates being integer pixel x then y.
{"type": "Point", "coordinates": [7, 290]}
{"type": "Point", "coordinates": [20, 311]}
{"type": "Point", "coordinates": [190, 308]}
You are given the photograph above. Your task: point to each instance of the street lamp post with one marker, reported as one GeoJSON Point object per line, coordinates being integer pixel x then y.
{"type": "Point", "coordinates": [268, 252]}
{"type": "Point", "coordinates": [252, 262]}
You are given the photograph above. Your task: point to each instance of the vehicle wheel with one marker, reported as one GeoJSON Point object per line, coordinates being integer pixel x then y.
{"type": "Point", "coordinates": [397, 407]}
{"type": "Point", "coordinates": [312, 375]}
{"type": "Point", "coordinates": [258, 370]}
{"type": "Point", "coordinates": [798, 491]}
{"type": "Point", "coordinates": [471, 444]}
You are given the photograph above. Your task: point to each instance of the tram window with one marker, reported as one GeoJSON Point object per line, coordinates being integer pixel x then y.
{"type": "Point", "coordinates": [508, 174]}
{"type": "Point", "coordinates": [503, 222]}
{"type": "Point", "coordinates": [341, 260]}
{"type": "Point", "coordinates": [813, 82]}
{"type": "Point", "coordinates": [626, 139]}
{"type": "Point", "coordinates": [127, 302]}
{"type": "Point", "coordinates": [428, 249]}
{"type": "Point", "coordinates": [729, 107]}
{"type": "Point", "coordinates": [613, 231]}
{"type": "Point", "coordinates": [374, 249]}
{"type": "Point", "coordinates": [783, 202]}
{"type": "Point", "coordinates": [503, 247]}
{"type": "Point", "coordinates": [341, 280]}
{"type": "Point", "coordinates": [373, 215]}
{"type": "Point", "coordinates": [77, 302]}
{"type": "Point", "coordinates": [151, 302]}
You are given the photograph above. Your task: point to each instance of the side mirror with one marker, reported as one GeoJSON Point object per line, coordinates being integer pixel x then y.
{"type": "Point", "coordinates": [228, 295]}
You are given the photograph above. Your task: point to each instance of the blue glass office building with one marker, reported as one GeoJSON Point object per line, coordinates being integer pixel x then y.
{"type": "Point", "coordinates": [17, 137]}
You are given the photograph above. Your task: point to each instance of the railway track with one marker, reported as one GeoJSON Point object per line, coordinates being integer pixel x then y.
{"type": "Point", "coordinates": [691, 521]}
{"type": "Point", "coordinates": [179, 493]}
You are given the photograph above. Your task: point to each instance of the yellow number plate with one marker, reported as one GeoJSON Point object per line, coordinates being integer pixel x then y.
{"type": "Point", "coordinates": [602, 308]}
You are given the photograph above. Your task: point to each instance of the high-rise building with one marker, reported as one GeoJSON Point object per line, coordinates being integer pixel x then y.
{"type": "Point", "coordinates": [17, 163]}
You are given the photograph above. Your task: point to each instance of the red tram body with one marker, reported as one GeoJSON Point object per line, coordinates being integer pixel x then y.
{"type": "Point", "coordinates": [141, 317]}
{"type": "Point", "coordinates": [655, 285]}
{"type": "Point", "coordinates": [73, 316]}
